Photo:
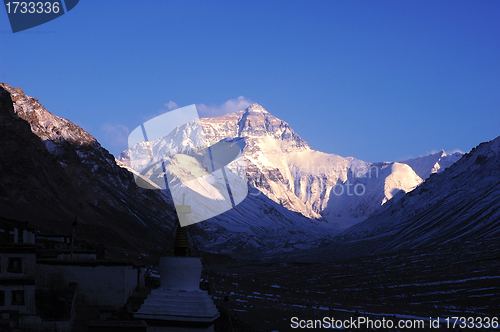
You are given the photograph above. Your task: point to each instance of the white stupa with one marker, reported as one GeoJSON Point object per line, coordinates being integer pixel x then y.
{"type": "Point", "coordinates": [179, 305]}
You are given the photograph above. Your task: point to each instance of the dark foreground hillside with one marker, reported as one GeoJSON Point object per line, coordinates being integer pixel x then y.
{"type": "Point", "coordinates": [459, 280]}
{"type": "Point", "coordinates": [52, 171]}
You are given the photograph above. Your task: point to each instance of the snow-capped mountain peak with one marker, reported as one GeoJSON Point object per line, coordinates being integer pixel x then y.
{"type": "Point", "coordinates": [44, 124]}
{"type": "Point", "coordinates": [256, 108]}
{"type": "Point", "coordinates": [458, 204]}
{"type": "Point", "coordinates": [432, 163]}
{"type": "Point", "coordinates": [283, 167]}
{"type": "Point", "coordinates": [254, 123]}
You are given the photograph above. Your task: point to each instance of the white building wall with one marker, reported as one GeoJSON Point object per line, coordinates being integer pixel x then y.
{"type": "Point", "coordinates": [80, 256]}
{"type": "Point", "coordinates": [179, 329]}
{"type": "Point", "coordinates": [131, 280]}
{"type": "Point", "coordinates": [28, 265]}
{"type": "Point", "coordinates": [29, 298]}
{"type": "Point", "coordinates": [36, 324]}
{"type": "Point", "coordinates": [60, 239]}
{"type": "Point", "coordinates": [100, 285]}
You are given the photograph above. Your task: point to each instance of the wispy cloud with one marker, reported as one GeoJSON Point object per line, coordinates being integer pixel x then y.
{"type": "Point", "coordinates": [230, 106]}
{"type": "Point", "coordinates": [455, 151]}
{"type": "Point", "coordinates": [207, 111]}
{"type": "Point", "coordinates": [171, 105]}
{"type": "Point", "coordinates": [447, 152]}
{"type": "Point", "coordinates": [116, 135]}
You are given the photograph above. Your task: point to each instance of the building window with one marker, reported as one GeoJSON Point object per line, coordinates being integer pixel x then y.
{"type": "Point", "coordinates": [17, 297]}
{"type": "Point", "coordinates": [2, 298]}
{"type": "Point", "coordinates": [15, 265]}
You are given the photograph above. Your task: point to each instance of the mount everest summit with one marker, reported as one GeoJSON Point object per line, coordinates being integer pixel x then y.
{"type": "Point", "coordinates": [298, 197]}
{"type": "Point", "coordinates": [337, 191]}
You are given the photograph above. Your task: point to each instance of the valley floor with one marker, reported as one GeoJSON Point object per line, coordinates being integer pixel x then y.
{"type": "Point", "coordinates": [460, 280]}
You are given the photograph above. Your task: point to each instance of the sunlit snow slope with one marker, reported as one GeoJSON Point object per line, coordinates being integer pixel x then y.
{"type": "Point", "coordinates": [282, 166]}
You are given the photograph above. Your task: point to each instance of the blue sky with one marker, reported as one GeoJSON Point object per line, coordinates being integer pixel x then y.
{"type": "Point", "coordinates": [376, 80]}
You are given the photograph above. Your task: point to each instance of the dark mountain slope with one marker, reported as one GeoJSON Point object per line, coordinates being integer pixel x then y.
{"type": "Point", "coordinates": [51, 170]}
{"type": "Point", "coordinates": [460, 204]}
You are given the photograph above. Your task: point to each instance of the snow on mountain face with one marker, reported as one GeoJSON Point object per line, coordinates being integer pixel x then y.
{"type": "Point", "coordinates": [79, 177]}
{"type": "Point", "coordinates": [255, 124]}
{"type": "Point", "coordinates": [432, 163]}
{"type": "Point", "coordinates": [283, 167]}
{"type": "Point", "coordinates": [64, 139]}
{"type": "Point", "coordinates": [461, 203]}
{"type": "Point", "coordinates": [68, 173]}
{"type": "Point", "coordinates": [43, 123]}
{"type": "Point", "coordinates": [318, 185]}
{"type": "Point", "coordinates": [258, 225]}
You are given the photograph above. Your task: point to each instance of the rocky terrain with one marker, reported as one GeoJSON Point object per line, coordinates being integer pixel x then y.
{"type": "Point", "coordinates": [295, 199]}
{"type": "Point", "coordinates": [282, 166]}
{"type": "Point", "coordinates": [53, 171]}
{"type": "Point", "coordinates": [418, 249]}
{"type": "Point", "coordinates": [460, 204]}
